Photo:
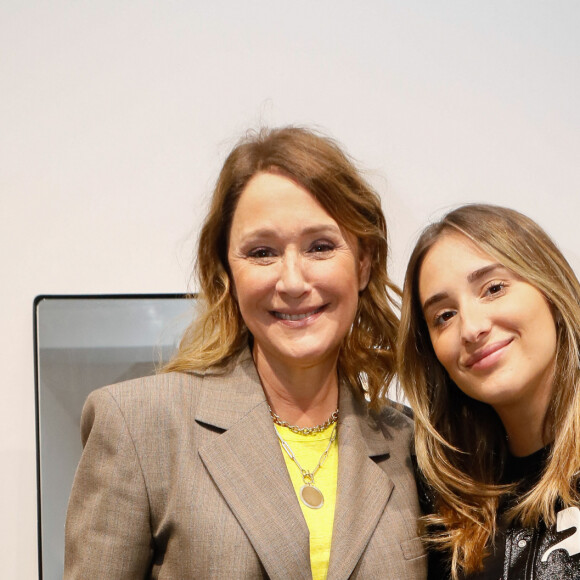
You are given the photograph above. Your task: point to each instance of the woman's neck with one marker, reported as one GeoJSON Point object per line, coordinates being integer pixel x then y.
{"type": "Point", "coordinates": [525, 430]}
{"type": "Point", "coordinates": [303, 396]}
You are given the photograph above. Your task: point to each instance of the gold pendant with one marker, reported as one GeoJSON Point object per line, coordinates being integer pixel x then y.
{"type": "Point", "coordinates": [311, 497]}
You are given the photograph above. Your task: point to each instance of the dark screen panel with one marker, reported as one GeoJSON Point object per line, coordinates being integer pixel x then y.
{"type": "Point", "coordinates": [83, 343]}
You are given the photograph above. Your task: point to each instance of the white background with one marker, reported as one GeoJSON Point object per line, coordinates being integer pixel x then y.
{"type": "Point", "coordinates": [115, 117]}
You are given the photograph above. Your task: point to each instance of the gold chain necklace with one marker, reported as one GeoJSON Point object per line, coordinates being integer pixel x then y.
{"type": "Point", "coordinates": [310, 495]}
{"type": "Point", "coordinates": [304, 430]}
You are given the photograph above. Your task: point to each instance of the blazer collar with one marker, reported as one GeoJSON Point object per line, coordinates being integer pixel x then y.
{"type": "Point", "coordinates": [356, 417]}
{"type": "Point", "coordinates": [363, 487]}
{"type": "Point", "coordinates": [228, 396]}
{"type": "Point", "coordinates": [247, 465]}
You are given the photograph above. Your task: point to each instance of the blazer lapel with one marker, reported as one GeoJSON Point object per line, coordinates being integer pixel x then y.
{"type": "Point", "coordinates": [363, 487]}
{"type": "Point", "coordinates": [247, 465]}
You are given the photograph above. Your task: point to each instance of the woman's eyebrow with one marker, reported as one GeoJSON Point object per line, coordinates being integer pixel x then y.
{"type": "Point", "coordinates": [434, 299]}
{"type": "Point", "coordinates": [474, 276]}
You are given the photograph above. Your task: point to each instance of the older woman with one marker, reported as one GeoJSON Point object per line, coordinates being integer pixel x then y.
{"type": "Point", "coordinates": [489, 359]}
{"type": "Point", "coordinates": [255, 455]}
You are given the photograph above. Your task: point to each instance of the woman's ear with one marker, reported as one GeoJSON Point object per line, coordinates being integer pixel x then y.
{"type": "Point", "coordinates": [364, 267]}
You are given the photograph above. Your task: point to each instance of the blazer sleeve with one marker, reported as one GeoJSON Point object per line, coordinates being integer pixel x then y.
{"type": "Point", "coordinates": [108, 532]}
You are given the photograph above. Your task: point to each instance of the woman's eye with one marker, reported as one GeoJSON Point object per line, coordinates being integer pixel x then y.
{"type": "Point", "coordinates": [495, 288]}
{"type": "Point", "coordinates": [321, 247]}
{"type": "Point", "coordinates": [444, 317]}
{"type": "Point", "coordinates": [261, 253]}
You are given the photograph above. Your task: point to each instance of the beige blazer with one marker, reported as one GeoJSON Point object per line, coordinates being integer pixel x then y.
{"type": "Point", "coordinates": [182, 477]}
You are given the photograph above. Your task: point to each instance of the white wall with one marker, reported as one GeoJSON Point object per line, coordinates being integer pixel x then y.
{"type": "Point", "coordinates": [116, 115]}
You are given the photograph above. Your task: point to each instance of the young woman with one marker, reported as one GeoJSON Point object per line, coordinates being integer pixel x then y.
{"type": "Point", "coordinates": [255, 455]}
{"type": "Point", "coordinates": [489, 360]}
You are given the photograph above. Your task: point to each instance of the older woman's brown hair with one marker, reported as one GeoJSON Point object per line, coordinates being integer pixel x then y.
{"type": "Point", "coordinates": [460, 442]}
{"type": "Point", "coordinates": [318, 164]}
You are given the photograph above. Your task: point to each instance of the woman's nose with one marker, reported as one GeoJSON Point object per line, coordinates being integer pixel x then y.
{"type": "Point", "coordinates": [292, 280]}
{"type": "Point", "coordinates": [475, 323]}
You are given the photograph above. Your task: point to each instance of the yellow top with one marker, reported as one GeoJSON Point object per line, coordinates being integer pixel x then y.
{"type": "Point", "coordinates": [308, 450]}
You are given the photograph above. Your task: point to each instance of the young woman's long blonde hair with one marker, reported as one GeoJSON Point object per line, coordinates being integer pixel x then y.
{"type": "Point", "coordinates": [315, 162]}
{"type": "Point", "coordinates": [460, 442]}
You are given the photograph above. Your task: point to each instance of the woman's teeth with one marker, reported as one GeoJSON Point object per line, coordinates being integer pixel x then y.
{"type": "Point", "coordinates": [296, 316]}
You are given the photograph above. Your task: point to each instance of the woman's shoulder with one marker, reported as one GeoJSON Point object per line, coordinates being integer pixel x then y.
{"type": "Point", "coordinates": [145, 399]}
{"type": "Point", "coordinates": [396, 415]}
{"type": "Point", "coordinates": [174, 394]}
{"type": "Point", "coordinates": [149, 388]}
{"type": "Point", "coordinates": [387, 428]}
{"type": "Point", "coordinates": [171, 385]}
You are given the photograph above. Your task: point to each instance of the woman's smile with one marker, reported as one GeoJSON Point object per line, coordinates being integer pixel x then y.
{"type": "Point", "coordinates": [486, 357]}
{"type": "Point", "coordinates": [298, 316]}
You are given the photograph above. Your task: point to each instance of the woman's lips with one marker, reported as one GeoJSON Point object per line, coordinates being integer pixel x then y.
{"type": "Point", "coordinates": [484, 357]}
{"type": "Point", "coordinates": [296, 317]}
